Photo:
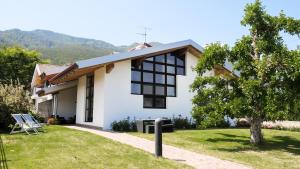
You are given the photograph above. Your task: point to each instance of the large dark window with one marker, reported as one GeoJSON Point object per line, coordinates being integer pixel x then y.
{"type": "Point", "coordinates": [155, 78]}
{"type": "Point", "coordinates": [89, 100]}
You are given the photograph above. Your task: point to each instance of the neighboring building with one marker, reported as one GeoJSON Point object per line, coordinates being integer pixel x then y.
{"type": "Point", "coordinates": [45, 96]}
{"type": "Point", "coordinates": [145, 82]}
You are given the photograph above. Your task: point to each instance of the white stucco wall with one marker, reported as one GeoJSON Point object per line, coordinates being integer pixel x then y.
{"type": "Point", "coordinates": [120, 103]}
{"type": "Point", "coordinates": [98, 108]}
{"type": "Point", "coordinates": [66, 103]}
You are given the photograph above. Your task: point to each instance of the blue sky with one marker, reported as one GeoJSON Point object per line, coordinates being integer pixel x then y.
{"type": "Point", "coordinates": [118, 21]}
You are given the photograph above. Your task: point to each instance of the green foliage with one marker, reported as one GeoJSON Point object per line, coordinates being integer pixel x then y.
{"type": "Point", "coordinates": [269, 73]}
{"type": "Point", "coordinates": [124, 125]}
{"type": "Point", "coordinates": [17, 64]}
{"type": "Point", "coordinates": [183, 123]}
{"type": "Point", "coordinates": [13, 99]}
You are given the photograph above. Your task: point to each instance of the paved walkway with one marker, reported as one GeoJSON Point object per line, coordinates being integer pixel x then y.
{"type": "Point", "coordinates": [170, 152]}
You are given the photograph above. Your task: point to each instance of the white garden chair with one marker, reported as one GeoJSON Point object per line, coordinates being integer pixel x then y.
{"type": "Point", "coordinates": [31, 120]}
{"type": "Point", "coordinates": [20, 123]}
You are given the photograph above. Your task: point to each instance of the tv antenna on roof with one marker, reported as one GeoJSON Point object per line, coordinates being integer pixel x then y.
{"type": "Point", "coordinates": [144, 34]}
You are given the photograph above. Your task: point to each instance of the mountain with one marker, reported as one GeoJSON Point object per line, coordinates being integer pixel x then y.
{"type": "Point", "coordinates": [60, 48]}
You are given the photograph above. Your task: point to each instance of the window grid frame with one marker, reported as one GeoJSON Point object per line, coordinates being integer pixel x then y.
{"type": "Point", "coordinates": [154, 72]}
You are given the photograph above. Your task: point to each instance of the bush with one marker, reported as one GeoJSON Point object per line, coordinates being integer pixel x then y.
{"type": "Point", "coordinates": [183, 123]}
{"type": "Point", "coordinates": [124, 125]}
{"type": "Point", "coordinates": [71, 120]}
{"type": "Point", "coordinates": [13, 99]}
{"type": "Point", "coordinates": [216, 122]}
{"type": "Point", "coordinates": [52, 121]}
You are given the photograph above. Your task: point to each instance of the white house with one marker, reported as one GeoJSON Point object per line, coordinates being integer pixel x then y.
{"type": "Point", "coordinates": [145, 82]}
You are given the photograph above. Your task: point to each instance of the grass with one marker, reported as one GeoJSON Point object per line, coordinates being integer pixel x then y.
{"type": "Point", "coordinates": [60, 147]}
{"type": "Point", "coordinates": [280, 150]}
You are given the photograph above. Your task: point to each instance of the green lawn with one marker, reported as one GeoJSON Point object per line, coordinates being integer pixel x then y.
{"type": "Point", "coordinates": [281, 149]}
{"type": "Point", "coordinates": [60, 147]}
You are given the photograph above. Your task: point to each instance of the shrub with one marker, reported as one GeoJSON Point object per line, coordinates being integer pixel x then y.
{"type": "Point", "coordinates": [213, 122]}
{"type": "Point", "coordinates": [52, 121]}
{"type": "Point", "coordinates": [71, 120]}
{"type": "Point", "coordinates": [13, 99]}
{"type": "Point", "coordinates": [183, 123]}
{"type": "Point", "coordinates": [124, 125]}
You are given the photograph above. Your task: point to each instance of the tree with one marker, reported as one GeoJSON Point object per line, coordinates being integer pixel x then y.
{"type": "Point", "coordinates": [267, 85]}
{"type": "Point", "coordinates": [17, 64]}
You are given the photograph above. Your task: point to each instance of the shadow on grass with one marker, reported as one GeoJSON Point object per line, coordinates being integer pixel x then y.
{"type": "Point", "coordinates": [3, 163]}
{"type": "Point", "coordinates": [281, 143]}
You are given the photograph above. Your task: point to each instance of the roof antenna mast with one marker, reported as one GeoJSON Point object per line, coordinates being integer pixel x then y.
{"type": "Point", "coordinates": [144, 34]}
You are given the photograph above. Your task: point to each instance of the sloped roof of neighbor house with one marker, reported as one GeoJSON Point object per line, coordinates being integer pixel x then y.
{"type": "Point", "coordinates": [44, 72]}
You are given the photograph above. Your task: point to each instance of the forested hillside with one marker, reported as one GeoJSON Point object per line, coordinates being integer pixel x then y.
{"type": "Point", "coordinates": [59, 48]}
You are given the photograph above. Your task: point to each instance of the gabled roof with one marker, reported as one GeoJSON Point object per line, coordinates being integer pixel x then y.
{"type": "Point", "coordinates": [49, 69]}
{"type": "Point", "coordinates": [137, 53]}
{"type": "Point", "coordinates": [94, 63]}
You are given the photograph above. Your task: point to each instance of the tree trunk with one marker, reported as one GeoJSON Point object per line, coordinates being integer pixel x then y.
{"type": "Point", "coordinates": [255, 131]}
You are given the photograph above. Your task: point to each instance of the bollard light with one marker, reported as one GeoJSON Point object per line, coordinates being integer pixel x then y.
{"type": "Point", "coordinates": [158, 137]}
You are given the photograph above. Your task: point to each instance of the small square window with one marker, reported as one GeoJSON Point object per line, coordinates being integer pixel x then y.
{"type": "Point", "coordinates": [135, 88]}
{"type": "Point", "coordinates": [147, 66]}
{"type": "Point", "coordinates": [171, 91]}
{"type": "Point", "coordinates": [170, 59]}
{"type": "Point", "coordinates": [160, 90]}
{"type": "Point", "coordinates": [159, 68]}
{"type": "Point", "coordinates": [148, 102]}
{"type": "Point", "coordinates": [160, 102]}
{"type": "Point", "coordinates": [180, 71]}
{"type": "Point", "coordinates": [171, 69]}
{"type": "Point", "coordinates": [170, 80]}
{"type": "Point", "coordinates": [180, 60]}
{"type": "Point", "coordinates": [148, 77]}
{"type": "Point", "coordinates": [160, 78]}
{"type": "Point", "coordinates": [160, 58]}
{"type": "Point", "coordinates": [147, 89]}
{"type": "Point", "coordinates": [135, 76]}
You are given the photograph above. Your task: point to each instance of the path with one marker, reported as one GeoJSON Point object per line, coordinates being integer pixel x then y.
{"type": "Point", "coordinates": [170, 152]}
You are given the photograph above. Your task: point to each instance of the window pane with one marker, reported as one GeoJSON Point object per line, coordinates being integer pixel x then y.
{"type": "Point", "coordinates": [87, 94]}
{"type": "Point", "coordinates": [149, 59]}
{"type": "Point", "coordinates": [135, 88]}
{"type": "Point", "coordinates": [159, 78]}
{"type": "Point", "coordinates": [147, 89]}
{"type": "Point", "coordinates": [135, 76]}
{"type": "Point", "coordinates": [87, 104]}
{"type": "Point", "coordinates": [180, 60]}
{"type": "Point", "coordinates": [148, 77]}
{"type": "Point", "coordinates": [135, 64]}
{"type": "Point", "coordinates": [170, 91]}
{"type": "Point", "coordinates": [160, 102]}
{"type": "Point", "coordinates": [171, 80]}
{"type": "Point", "coordinates": [171, 69]}
{"type": "Point", "coordinates": [147, 66]}
{"type": "Point", "coordinates": [148, 101]}
{"type": "Point", "coordinates": [170, 59]}
{"type": "Point", "coordinates": [160, 58]}
{"type": "Point", "coordinates": [180, 71]}
{"type": "Point", "coordinates": [160, 90]}
{"type": "Point", "coordinates": [159, 68]}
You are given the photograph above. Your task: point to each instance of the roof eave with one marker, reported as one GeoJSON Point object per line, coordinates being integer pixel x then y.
{"type": "Point", "coordinates": [71, 67]}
